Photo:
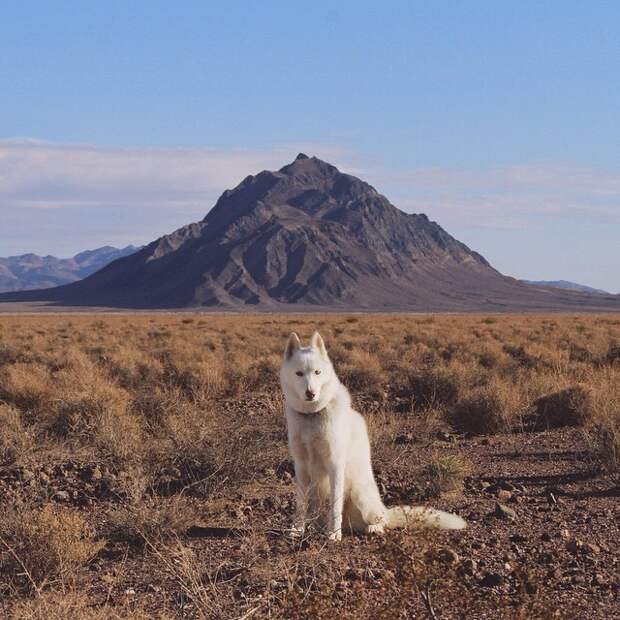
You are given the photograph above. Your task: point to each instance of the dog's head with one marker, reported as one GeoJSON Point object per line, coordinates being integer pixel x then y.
{"type": "Point", "coordinates": [306, 371]}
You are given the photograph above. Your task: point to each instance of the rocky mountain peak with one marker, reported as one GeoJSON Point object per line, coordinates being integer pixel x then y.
{"type": "Point", "coordinates": [311, 235]}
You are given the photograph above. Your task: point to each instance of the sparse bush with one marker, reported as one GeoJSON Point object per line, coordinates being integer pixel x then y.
{"type": "Point", "coordinates": [569, 407]}
{"type": "Point", "coordinates": [42, 547]}
{"type": "Point", "coordinates": [27, 385]}
{"type": "Point", "coordinates": [430, 387]}
{"type": "Point", "coordinates": [15, 439]}
{"type": "Point", "coordinates": [607, 443]}
{"type": "Point", "coordinates": [613, 354]}
{"type": "Point", "coordinates": [66, 605]}
{"type": "Point", "coordinates": [482, 412]}
{"type": "Point", "coordinates": [150, 521]}
{"type": "Point", "coordinates": [579, 354]}
{"type": "Point", "coordinates": [362, 372]}
{"type": "Point", "coordinates": [488, 360]}
{"type": "Point", "coordinates": [442, 474]}
{"type": "Point", "coordinates": [521, 356]}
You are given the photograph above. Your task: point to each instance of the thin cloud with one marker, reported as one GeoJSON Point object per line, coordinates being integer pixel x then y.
{"type": "Point", "coordinates": [36, 173]}
{"type": "Point", "coordinates": [508, 197]}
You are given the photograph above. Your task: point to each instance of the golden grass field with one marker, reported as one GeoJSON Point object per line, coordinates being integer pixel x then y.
{"type": "Point", "coordinates": [144, 469]}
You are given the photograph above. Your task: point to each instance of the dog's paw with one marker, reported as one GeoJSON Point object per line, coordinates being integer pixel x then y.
{"type": "Point", "coordinates": [335, 536]}
{"type": "Point", "coordinates": [296, 531]}
{"type": "Point", "coordinates": [377, 528]}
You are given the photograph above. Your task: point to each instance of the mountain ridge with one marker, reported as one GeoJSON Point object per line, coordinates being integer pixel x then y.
{"type": "Point", "coordinates": [308, 235]}
{"type": "Point", "coordinates": [32, 271]}
{"type": "Point", "coordinates": [568, 285]}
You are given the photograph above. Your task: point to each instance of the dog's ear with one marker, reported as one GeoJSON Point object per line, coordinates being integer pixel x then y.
{"type": "Point", "coordinates": [318, 344]}
{"type": "Point", "coordinates": [293, 344]}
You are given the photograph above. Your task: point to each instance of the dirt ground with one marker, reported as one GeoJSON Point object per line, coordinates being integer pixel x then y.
{"type": "Point", "coordinates": [177, 540]}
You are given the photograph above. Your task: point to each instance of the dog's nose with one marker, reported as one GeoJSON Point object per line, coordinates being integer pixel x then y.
{"type": "Point", "coordinates": [309, 394]}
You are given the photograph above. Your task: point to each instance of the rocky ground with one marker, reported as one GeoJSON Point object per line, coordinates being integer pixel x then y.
{"type": "Point", "coordinates": [542, 541]}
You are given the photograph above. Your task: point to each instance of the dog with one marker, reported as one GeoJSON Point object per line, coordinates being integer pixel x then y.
{"type": "Point", "coordinates": [328, 441]}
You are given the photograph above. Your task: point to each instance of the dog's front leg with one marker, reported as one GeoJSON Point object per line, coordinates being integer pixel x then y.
{"type": "Point", "coordinates": [336, 500]}
{"type": "Point", "coordinates": [303, 498]}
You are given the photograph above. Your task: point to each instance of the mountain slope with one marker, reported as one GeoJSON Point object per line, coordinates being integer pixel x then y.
{"type": "Point", "coordinates": [566, 285]}
{"type": "Point", "coordinates": [30, 271]}
{"type": "Point", "coordinates": [308, 235]}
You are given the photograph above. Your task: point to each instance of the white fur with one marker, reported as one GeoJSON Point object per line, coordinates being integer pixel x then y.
{"type": "Point", "coordinates": [329, 443]}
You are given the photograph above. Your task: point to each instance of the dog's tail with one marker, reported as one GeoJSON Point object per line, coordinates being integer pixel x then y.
{"type": "Point", "coordinates": [419, 516]}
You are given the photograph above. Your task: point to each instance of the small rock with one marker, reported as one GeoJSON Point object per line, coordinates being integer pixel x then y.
{"type": "Point", "coordinates": [44, 478]}
{"type": "Point", "coordinates": [600, 580]}
{"type": "Point", "coordinates": [354, 574]}
{"type": "Point", "coordinates": [574, 545]}
{"type": "Point", "coordinates": [484, 485]}
{"type": "Point", "coordinates": [448, 556]}
{"type": "Point", "coordinates": [27, 475]}
{"type": "Point", "coordinates": [545, 558]}
{"type": "Point", "coordinates": [444, 436]}
{"type": "Point", "coordinates": [518, 538]}
{"type": "Point", "coordinates": [61, 496]}
{"type": "Point", "coordinates": [504, 512]}
{"type": "Point", "coordinates": [491, 580]}
{"type": "Point", "coordinates": [469, 566]}
{"type": "Point", "coordinates": [130, 591]}
{"type": "Point", "coordinates": [403, 438]}
{"type": "Point", "coordinates": [504, 495]}
{"type": "Point", "coordinates": [590, 549]}
{"type": "Point", "coordinates": [507, 486]}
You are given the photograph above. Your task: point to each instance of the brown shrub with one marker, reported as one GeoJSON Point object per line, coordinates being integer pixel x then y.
{"type": "Point", "coordinates": [26, 385]}
{"type": "Point", "coordinates": [15, 439]}
{"type": "Point", "coordinates": [482, 412]}
{"type": "Point", "coordinates": [607, 443]}
{"type": "Point", "coordinates": [442, 474]}
{"type": "Point", "coordinates": [361, 372]}
{"type": "Point", "coordinates": [521, 356]}
{"type": "Point", "coordinates": [579, 354]}
{"type": "Point", "coordinates": [613, 354]}
{"type": "Point", "coordinates": [150, 521]}
{"type": "Point", "coordinates": [69, 605]}
{"type": "Point", "coordinates": [90, 407]}
{"type": "Point", "coordinates": [568, 407]}
{"type": "Point", "coordinates": [430, 387]}
{"type": "Point", "coordinates": [41, 547]}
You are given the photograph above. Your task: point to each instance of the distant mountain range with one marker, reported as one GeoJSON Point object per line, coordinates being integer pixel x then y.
{"type": "Point", "coordinates": [30, 271]}
{"type": "Point", "coordinates": [568, 286]}
{"type": "Point", "coordinates": [308, 236]}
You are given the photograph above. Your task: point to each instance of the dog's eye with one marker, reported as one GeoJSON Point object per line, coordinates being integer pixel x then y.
{"type": "Point", "coordinates": [317, 372]}
{"type": "Point", "coordinates": [299, 373]}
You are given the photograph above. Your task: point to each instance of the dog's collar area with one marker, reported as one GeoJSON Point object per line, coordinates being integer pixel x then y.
{"type": "Point", "coordinates": [311, 413]}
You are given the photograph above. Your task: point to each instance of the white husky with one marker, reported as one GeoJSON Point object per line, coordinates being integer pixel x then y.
{"type": "Point", "coordinates": [329, 444]}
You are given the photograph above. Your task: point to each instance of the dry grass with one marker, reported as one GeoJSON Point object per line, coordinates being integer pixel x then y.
{"type": "Point", "coordinates": [179, 409]}
{"type": "Point", "coordinates": [15, 438]}
{"type": "Point", "coordinates": [43, 547]}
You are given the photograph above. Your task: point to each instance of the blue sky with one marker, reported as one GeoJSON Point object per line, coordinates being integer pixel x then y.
{"type": "Point", "coordinates": [120, 121]}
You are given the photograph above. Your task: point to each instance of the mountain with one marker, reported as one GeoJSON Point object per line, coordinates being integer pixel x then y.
{"type": "Point", "coordinates": [30, 271]}
{"type": "Point", "coordinates": [311, 236]}
{"type": "Point", "coordinates": [569, 286]}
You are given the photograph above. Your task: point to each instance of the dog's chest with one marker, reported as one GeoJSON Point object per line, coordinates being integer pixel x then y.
{"type": "Point", "coordinates": [313, 441]}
